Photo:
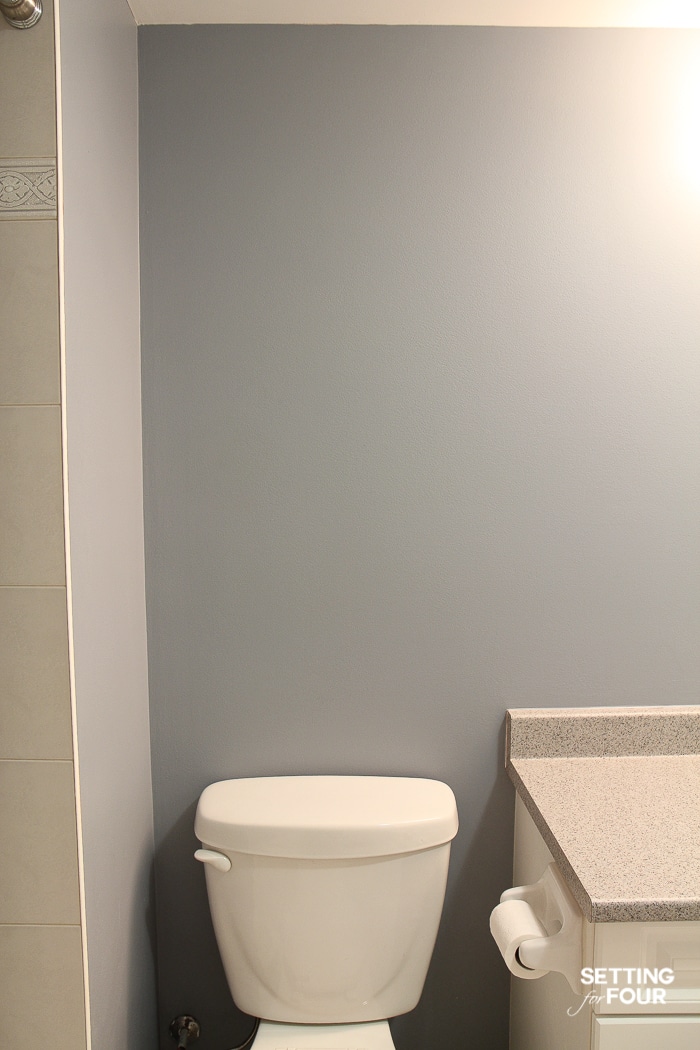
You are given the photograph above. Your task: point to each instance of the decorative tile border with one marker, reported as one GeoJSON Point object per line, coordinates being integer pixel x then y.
{"type": "Point", "coordinates": [28, 188]}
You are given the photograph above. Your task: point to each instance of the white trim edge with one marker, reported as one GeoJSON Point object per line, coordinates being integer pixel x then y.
{"type": "Point", "coordinates": [542, 13]}
{"type": "Point", "coordinates": [66, 519]}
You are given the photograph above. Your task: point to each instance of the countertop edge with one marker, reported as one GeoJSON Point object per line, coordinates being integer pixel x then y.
{"type": "Point", "coordinates": [574, 883]}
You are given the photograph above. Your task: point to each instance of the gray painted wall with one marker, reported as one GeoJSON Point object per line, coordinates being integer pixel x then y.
{"type": "Point", "coordinates": [421, 387]}
{"type": "Point", "coordinates": [100, 228]}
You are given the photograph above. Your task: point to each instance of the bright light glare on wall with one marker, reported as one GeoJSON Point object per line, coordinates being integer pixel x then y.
{"type": "Point", "coordinates": [689, 123]}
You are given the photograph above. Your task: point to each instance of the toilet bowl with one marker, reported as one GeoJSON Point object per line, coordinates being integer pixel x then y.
{"type": "Point", "coordinates": [326, 894]}
{"type": "Point", "coordinates": [275, 1036]}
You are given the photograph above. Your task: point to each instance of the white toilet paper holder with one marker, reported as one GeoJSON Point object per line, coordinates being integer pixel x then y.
{"type": "Point", "coordinates": [555, 909]}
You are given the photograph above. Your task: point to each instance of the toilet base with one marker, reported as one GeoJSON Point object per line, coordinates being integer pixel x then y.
{"type": "Point", "coordinates": [372, 1035]}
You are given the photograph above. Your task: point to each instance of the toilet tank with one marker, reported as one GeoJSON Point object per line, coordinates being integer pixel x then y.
{"type": "Point", "coordinates": [330, 908]}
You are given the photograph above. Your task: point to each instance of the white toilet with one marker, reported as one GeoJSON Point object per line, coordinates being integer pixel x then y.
{"type": "Point", "coordinates": [326, 894]}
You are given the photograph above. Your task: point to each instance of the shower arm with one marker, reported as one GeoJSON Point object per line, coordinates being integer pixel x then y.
{"type": "Point", "coordinates": [22, 14]}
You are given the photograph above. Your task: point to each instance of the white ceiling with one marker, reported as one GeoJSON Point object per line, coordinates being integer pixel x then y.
{"type": "Point", "coordinates": [576, 13]}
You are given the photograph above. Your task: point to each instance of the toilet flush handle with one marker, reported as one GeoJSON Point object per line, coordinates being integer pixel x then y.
{"type": "Point", "coordinates": [217, 860]}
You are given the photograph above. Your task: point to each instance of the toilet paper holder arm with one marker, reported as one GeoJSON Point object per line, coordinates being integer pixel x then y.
{"type": "Point", "coordinates": [552, 903]}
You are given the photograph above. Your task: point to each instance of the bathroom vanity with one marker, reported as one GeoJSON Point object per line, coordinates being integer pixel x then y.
{"type": "Point", "coordinates": [612, 795]}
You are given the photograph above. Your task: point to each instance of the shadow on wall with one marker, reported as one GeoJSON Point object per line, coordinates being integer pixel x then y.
{"type": "Point", "coordinates": [465, 970]}
{"type": "Point", "coordinates": [140, 998]}
{"type": "Point", "coordinates": [191, 979]}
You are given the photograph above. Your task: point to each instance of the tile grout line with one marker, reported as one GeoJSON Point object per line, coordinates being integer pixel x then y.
{"type": "Point", "coordinates": [68, 761]}
{"type": "Point", "coordinates": [32, 586]}
{"type": "Point", "coordinates": [41, 925]}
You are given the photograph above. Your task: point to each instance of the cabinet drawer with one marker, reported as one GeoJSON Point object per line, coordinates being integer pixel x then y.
{"type": "Point", "coordinates": [646, 1033]}
{"type": "Point", "coordinates": [672, 946]}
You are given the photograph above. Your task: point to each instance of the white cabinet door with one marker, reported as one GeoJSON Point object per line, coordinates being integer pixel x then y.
{"type": "Point", "coordinates": [646, 1033]}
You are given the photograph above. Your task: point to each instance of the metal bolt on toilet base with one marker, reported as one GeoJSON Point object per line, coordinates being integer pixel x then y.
{"type": "Point", "coordinates": [185, 1029]}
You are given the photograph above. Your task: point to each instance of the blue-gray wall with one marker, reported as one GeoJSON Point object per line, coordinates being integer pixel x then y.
{"type": "Point", "coordinates": [421, 418]}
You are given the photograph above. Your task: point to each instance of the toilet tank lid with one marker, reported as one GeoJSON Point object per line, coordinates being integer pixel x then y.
{"type": "Point", "coordinates": [326, 817]}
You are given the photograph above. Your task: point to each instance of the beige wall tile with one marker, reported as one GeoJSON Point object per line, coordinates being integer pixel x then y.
{"type": "Point", "coordinates": [35, 715]}
{"type": "Point", "coordinates": [27, 89]}
{"type": "Point", "coordinates": [31, 507]}
{"type": "Point", "coordinates": [40, 966]}
{"type": "Point", "coordinates": [29, 353]}
{"type": "Point", "coordinates": [41, 976]}
{"type": "Point", "coordinates": [39, 859]}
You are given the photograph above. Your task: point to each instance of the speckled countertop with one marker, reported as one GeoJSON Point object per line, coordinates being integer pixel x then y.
{"type": "Point", "coordinates": [615, 793]}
